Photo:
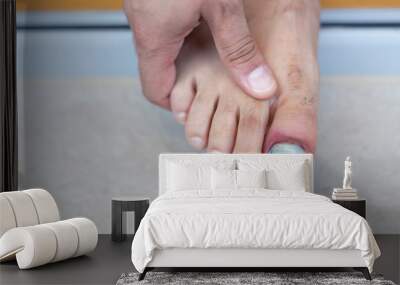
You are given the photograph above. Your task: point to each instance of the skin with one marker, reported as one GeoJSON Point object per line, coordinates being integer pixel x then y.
{"type": "Point", "coordinates": [161, 26]}
{"type": "Point", "coordinates": [219, 116]}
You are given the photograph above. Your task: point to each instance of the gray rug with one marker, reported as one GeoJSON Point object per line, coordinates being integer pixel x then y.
{"type": "Point", "coordinates": [268, 278]}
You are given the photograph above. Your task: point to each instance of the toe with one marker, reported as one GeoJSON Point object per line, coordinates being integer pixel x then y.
{"type": "Point", "coordinates": [293, 125]}
{"type": "Point", "coordinates": [181, 98]}
{"type": "Point", "coordinates": [223, 128]}
{"type": "Point", "coordinates": [251, 129]}
{"type": "Point", "coordinates": [199, 119]}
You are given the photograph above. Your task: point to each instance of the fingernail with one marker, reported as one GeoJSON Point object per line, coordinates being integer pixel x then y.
{"type": "Point", "coordinates": [215, 152]}
{"type": "Point", "coordinates": [197, 142]}
{"type": "Point", "coordinates": [181, 117]}
{"type": "Point", "coordinates": [260, 80]}
{"type": "Point", "coordinates": [286, 148]}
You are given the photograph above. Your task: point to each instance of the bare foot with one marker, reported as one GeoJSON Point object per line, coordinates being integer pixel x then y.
{"type": "Point", "coordinates": [219, 117]}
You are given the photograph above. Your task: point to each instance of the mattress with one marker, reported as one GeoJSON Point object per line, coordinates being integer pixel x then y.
{"type": "Point", "coordinates": [251, 219]}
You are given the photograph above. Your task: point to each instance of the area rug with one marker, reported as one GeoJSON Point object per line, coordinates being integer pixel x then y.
{"type": "Point", "coordinates": [268, 278]}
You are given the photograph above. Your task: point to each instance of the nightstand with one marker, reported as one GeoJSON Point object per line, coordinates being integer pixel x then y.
{"type": "Point", "coordinates": [357, 206]}
{"type": "Point", "coordinates": [139, 205]}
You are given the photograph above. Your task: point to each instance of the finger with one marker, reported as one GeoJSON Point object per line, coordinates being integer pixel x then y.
{"type": "Point", "coordinates": [237, 48]}
{"type": "Point", "coordinates": [158, 41]}
{"type": "Point", "coordinates": [157, 79]}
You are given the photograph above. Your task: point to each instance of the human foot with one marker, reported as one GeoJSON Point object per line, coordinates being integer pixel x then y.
{"type": "Point", "coordinates": [216, 113]}
{"type": "Point", "coordinates": [286, 32]}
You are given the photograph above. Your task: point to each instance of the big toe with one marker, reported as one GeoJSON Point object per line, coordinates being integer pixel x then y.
{"type": "Point", "coordinates": [295, 125]}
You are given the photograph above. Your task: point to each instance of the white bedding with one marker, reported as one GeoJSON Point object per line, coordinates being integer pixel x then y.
{"type": "Point", "coordinates": [251, 218]}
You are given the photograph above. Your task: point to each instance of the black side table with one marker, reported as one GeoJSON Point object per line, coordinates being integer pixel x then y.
{"type": "Point", "coordinates": [139, 205]}
{"type": "Point", "coordinates": [357, 206]}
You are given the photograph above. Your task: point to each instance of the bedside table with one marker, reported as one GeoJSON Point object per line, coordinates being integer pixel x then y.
{"type": "Point", "coordinates": [139, 205]}
{"type": "Point", "coordinates": [357, 206]}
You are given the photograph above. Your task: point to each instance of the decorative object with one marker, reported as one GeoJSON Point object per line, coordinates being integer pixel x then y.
{"type": "Point", "coordinates": [347, 174]}
{"type": "Point", "coordinates": [31, 231]}
{"type": "Point", "coordinates": [356, 206]}
{"type": "Point", "coordinates": [346, 192]}
{"type": "Point", "coordinates": [248, 278]}
{"type": "Point", "coordinates": [123, 204]}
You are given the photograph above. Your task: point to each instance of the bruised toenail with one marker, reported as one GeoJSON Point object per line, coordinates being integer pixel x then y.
{"type": "Point", "coordinates": [197, 142]}
{"type": "Point", "coordinates": [286, 148]}
{"type": "Point", "coordinates": [180, 117]}
{"type": "Point", "coordinates": [260, 80]}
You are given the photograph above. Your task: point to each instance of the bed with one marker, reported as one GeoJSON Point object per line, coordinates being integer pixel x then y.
{"type": "Point", "coordinates": [247, 211]}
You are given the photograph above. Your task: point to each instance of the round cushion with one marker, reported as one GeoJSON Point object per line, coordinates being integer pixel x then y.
{"type": "Point", "coordinates": [87, 233]}
{"type": "Point", "coordinates": [23, 208]}
{"type": "Point", "coordinates": [7, 215]}
{"type": "Point", "coordinates": [67, 239]}
{"type": "Point", "coordinates": [45, 205]}
{"type": "Point", "coordinates": [33, 246]}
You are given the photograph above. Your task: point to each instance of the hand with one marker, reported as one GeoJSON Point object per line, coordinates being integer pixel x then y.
{"type": "Point", "coordinates": [160, 28]}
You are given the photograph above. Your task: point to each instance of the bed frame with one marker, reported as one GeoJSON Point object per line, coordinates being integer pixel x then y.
{"type": "Point", "coordinates": [249, 259]}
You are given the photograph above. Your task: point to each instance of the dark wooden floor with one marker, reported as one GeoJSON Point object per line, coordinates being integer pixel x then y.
{"type": "Point", "coordinates": [103, 266]}
{"type": "Point", "coordinates": [110, 260]}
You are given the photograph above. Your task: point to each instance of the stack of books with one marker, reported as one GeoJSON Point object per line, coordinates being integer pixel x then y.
{"type": "Point", "coordinates": [344, 194]}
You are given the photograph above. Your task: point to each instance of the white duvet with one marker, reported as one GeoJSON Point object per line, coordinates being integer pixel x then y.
{"type": "Point", "coordinates": [251, 218]}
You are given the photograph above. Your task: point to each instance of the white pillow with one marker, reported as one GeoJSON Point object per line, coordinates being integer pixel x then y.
{"type": "Point", "coordinates": [282, 174]}
{"type": "Point", "coordinates": [223, 179]}
{"type": "Point", "coordinates": [236, 179]}
{"type": "Point", "coordinates": [182, 177]}
{"type": "Point", "coordinates": [193, 174]}
{"type": "Point", "coordinates": [251, 178]}
{"type": "Point", "coordinates": [288, 176]}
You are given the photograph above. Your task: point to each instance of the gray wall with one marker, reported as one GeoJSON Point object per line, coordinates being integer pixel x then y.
{"type": "Point", "coordinates": [87, 134]}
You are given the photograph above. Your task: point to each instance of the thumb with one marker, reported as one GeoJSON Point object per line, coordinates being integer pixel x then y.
{"type": "Point", "coordinates": [237, 48]}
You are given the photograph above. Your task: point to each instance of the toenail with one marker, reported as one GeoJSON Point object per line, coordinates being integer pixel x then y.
{"type": "Point", "coordinates": [215, 152]}
{"type": "Point", "coordinates": [260, 80]}
{"type": "Point", "coordinates": [286, 148]}
{"type": "Point", "coordinates": [197, 142]}
{"type": "Point", "coordinates": [181, 117]}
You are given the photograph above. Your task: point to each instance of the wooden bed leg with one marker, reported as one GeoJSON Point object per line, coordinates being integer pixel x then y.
{"type": "Point", "coordinates": [142, 275]}
{"type": "Point", "coordinates": [364, 271]}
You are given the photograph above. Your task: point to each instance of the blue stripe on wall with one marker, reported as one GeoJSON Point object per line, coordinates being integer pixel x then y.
{"type": "Point", "coordinates": [69, 52]}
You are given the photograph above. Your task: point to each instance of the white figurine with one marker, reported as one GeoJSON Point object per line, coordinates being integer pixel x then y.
{"type": "Point", "coordinates": [347, 174]}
